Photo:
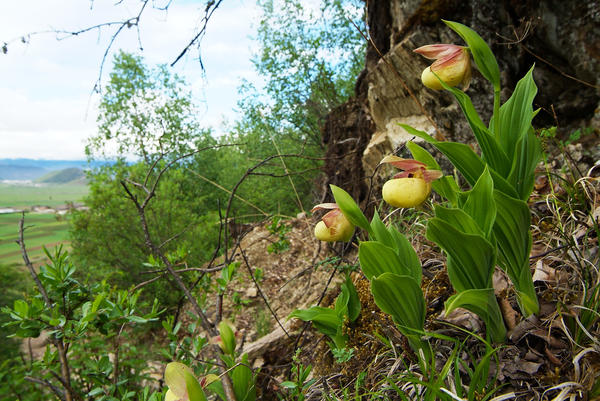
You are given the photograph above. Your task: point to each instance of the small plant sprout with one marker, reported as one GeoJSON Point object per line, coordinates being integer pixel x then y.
{"type": "Point", "coordinates": [334, 226]}
{"type": "Point", "coordinates": [452, 65]}
{"type": "Point", "coordinates": [411, 187]}
{"type": "Point", "coordinates": [183, 385]}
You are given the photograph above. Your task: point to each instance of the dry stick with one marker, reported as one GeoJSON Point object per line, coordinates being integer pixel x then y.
{"type": "Point", "coordinates": [288, 175]}
{"type": "Point", "coordinates": [226, 380]}
{"type": "Point", "coordinates": [58, 342]}
{"type": "Point", "coordinates": [519, 41]}
{"type": "Point", "coordinates": [117, 349]}
{"type": "Point", "coordinates": [59, 393]}
{"type": "Point", "coordinates": [228, 191]}
{"type": "Point", "coordinates": [368, 38]}
{"type": "Point", "coordinates": [260, 291]}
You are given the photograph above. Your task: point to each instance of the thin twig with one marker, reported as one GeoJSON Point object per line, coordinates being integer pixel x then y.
{"type": "Point", "coordinates": [59, 393]}
{"type": "Point", "coordinates": [260, 292]}
{"type": "Point", "coordinates": [368, 38]}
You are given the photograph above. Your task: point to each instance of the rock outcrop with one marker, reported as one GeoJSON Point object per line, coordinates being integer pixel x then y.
{"type": "Point", "coordinates": [562, 39]}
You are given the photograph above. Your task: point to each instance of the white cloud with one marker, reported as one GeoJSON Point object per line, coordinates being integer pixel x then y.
{"type": "Point", "coordinates": [45, 85]}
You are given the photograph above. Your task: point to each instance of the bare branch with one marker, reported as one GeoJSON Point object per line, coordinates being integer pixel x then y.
{"type": "Point", "coordinates": [59, 393]}
{"type": "Point", "coordinates": [211, 7]}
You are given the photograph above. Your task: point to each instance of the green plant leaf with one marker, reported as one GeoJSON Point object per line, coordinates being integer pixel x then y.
{"type": "Point", "coordinates": [243, 382]}
{"type": "Point", "coordinates": [325, 320]}
{"type": "Point", "coordinates": [341, 303]}
{"type": "Point", "coordinates": [511, 230]}
{"type": "Point", "coordinates": [482, 302]}
{"type": "Point", "coordinates": [350, 209]}
{"type": "Point", "coordinates": [516, 115]}
{"type": "Point", "coordinates": [471, 258]}
{"type": "Point", "coordinates": [480, 204]}
{"type": "Point", "coordinates": [482, 54]}
{"type": "Point", "coordinates": [353, 300]}
{"type": "Point", "coordinates": [380, 232]}
{"type": "Point", "coordinates": [194, 390]}
{"type": "Point", "coordinates": [227, 337]}
{"type": "Point", "coordinates": [459, 219]}
{"type": "Point", "coordinates": [527, 155]}
{"type": "Point", "coordinates": [407, 255]}
{"type": "Point", "coordinates": [492, 152]}
{"type": "Point", "coordinates": [376, 259]}
{"type": "Point", "coordinates": [445, 186]}
{"type": "Point", "coordinates": [402, 298]}
{"type": "Point", "coordinates": [465, 160]}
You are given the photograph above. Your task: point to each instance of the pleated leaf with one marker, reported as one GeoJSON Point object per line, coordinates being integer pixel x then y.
{"type": "Point", "coordinates": [465, 160]}
{"type": "Point", "coordinates": [350, 209]}
{"type": "Point", "coordinates": [480, 204]}
{"type": "Point", "coordinates": [402, 298]}
{"type": "Point", "coordinates": [446, 186]}
{"type": "Point", "coordinates": [483, 303]}
{"type": "Point", "coordinates": [471, 257]}
{"type": "Point", "coordinates": [513, 237]}
{"type": "Point", "coordinates": [376, 259]}
{"type": "Point", "coordinates": [482, 54]}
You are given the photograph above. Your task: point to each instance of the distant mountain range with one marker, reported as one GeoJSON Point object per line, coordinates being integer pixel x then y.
{"type": "Point", "coordinates": [32, 169]}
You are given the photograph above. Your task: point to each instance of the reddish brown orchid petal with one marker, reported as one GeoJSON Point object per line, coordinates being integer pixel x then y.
{"type": "Point", "coordinates": [432, 175]}
{"type": "Point", "coordinates": [330, 218]}
{"type": "Point", "coordinates": [438, 50]}
{"type": "Point", "coordinates": [403, 164]}
{"type": "Point", "coordinates": [404, 174]}
{"type": "Point", "coordinates": [324, 206]}
{"type": "Point", "coordinates": [460, 56]}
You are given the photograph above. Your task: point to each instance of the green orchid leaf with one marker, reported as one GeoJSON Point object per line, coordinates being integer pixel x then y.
{"type": "Point", "coordinates": [243, 382]}
{"type": "Point", "coordinates": [459, 219]}
{"type": "Point", "coordinates": [325, 320]}
{"type": "Point", "coordinates": [445, 186]}
{"type": "Point", "coordinates": [480, 204]}
{"type": "Point", "coordinates": [482, 54]}
{"type": "Point", "coordinates": [350, 209]}
{"type": "Point", "coordinates": [227, 337]}
{"type": "Point", "coordinates": [527, 156]}
{"type": "Point", "coordinates": [376, 259]}
{"type": "Point", "coordinates": [465, 160]}
{"type": "Point", "coordinates": [483, 303]}
{"type": "Point", "coordinates": [194, 390]}
{"type": "Point", "coordinates": [513, 237]}
{"type": "Point", "coordinates": [516, 115]}
{"type": "Point", "coordinates": [353, 300]}
{"type": "Point", "coordinates": [471, 258]}
{"type": "Point", "coordinates": [407, 255]}
{"type": "Point", "coordinates": [341, 303]}
{"type": "Point", "coordinates": [381, 232]}
{"type": "Point", "coordinates": [492, 152]}
{"type": "Point", "coordinates": [402, 298]}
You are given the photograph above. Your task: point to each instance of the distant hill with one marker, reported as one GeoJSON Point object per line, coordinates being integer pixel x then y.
{"type": "Point", "coordinates": [20, 172]}
{"type": "Point", "coordinates": [32, 169]}
{"type": "Point", "coordinates": [63, 176]}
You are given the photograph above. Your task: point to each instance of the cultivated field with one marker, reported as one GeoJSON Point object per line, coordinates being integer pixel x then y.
{"type": "Point", "coordinates": [42, 229]}
{"type": "Point", "coordinates": [19, 196]}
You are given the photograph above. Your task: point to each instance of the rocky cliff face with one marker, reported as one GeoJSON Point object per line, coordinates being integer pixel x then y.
{"type": "Point", "coordinates": [561, 38]}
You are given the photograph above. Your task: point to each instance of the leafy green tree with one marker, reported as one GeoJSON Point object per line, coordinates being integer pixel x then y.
{"type": "Point", "coordinates": [310, 57]}
{"type": "Point", "coordinates": [144, 114]}
{"type": "Point", "coordinates": [147, 115]}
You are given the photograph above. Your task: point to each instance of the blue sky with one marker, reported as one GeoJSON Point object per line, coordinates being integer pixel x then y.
{"type": "Point", "coordinates": [47, 107]}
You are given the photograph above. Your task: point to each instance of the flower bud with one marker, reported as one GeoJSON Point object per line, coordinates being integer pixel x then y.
{"type": "Point", "coordinates": [334, 226]}
{"type": "Point", "coordinates": [411, 187]}
{"type": "Point", "coordinates": [406, 192]}
{"type": "Point", "coordinates": [452, 65]}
